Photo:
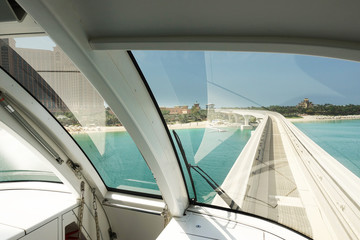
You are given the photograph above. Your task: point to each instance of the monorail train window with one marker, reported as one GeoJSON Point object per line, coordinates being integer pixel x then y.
{"type": "Point", "coordinates": [224, 109]}
{"type": "Point", "coordinates": [46, 72]}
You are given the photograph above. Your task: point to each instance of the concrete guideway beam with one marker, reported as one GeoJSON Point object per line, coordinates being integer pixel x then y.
{"type": "Point", "coordinates": [241, 169]}
{"type": "Point", "coordinates": [324, 198]}
{"type": "Point", "coordinates": [272, 191]}
{"type": "Point", "coordinates": [332, 188]}
{"type": "Point", "coordinates": [320, 230]}
{"type": "Point", "coordinates": [245, 114]}
{"type": "Point", "coordinates": [246, 123]}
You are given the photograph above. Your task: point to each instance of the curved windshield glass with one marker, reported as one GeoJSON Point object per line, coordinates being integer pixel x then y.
{"type": "Point", "coordinates": [20, 163]}
{"type": "Point", "coordinates": [44, 70]}
{"type": "Point", "coordinates": [232, 114]}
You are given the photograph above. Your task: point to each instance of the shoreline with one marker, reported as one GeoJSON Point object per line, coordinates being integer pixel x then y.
{"type": "Point", "coordinates": [319, 118]}
{"type": "Point", "coordinates": [80, 130]}
{"type": "Point", "coordinates": [204, 124]}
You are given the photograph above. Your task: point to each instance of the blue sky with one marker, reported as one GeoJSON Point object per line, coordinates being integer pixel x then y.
{"type": "Point", "coordinates": [240, 79]}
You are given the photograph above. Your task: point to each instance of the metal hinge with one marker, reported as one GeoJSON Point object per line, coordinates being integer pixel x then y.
{"type": "Point", "coordinates": [166, 214]}
{"type": "Point", "coordinates": [75, 167]}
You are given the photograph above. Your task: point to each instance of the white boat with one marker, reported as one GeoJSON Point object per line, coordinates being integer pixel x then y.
{"type": "Point", "coordinates": [85, 150]}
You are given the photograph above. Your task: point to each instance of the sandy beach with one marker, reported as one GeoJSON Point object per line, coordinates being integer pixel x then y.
{"type": "Point", "coordinates": [78, 129]}
{"type": "Point", "coordinates": [188, 125]}
{"type": "Point", "coordinates": [204, 124]}
{"type": "Point", "coordinates": [312, 118]}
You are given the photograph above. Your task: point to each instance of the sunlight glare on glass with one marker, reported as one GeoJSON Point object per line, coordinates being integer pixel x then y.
{"type": "Point", "coordinates": [43, 43]}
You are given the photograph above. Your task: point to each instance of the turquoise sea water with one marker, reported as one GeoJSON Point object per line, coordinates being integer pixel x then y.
{"type": "Point", "coordinates": [118, 160]}
{"type": "Point", "coordinates": [340, 138]}
{"type": "Point", "coordinates": [121, 165]}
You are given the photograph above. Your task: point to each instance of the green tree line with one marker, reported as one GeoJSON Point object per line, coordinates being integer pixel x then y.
{"type": "Point", "coordinates": [325, 109]}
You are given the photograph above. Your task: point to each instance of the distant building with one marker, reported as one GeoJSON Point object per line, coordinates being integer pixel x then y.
{"type": "Point", "coordinates": [53, 79]}
{"type": "Point", "coordinates": [177, 110]}
{"type": "Point", "coordinates": [29, 78]}
{"type": "Point", "coordinates": [196, 106]}
{"type": "Point", "coordinates": [180, 109]}
{"type": "Point", "coordinates": [305, 103]}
